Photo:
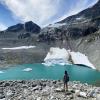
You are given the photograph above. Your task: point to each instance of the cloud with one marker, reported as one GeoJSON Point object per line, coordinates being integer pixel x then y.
{"type": "Point", "coordinates": [39, 11]}
{"type": "Point", "coordinates": [43, 12]}
{"type": "Point", "coordinates": [2, 27]}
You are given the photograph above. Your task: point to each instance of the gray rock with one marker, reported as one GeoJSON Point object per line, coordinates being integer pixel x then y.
{"type": "Point", "coordinates": [55, 92]}
{"type": "Point", "coordinates": [98, 97]}
{"type": "Point", "coordinates": [3, 99]}
{"type": "Point", "coordinates": [9, 93]}
{"type": "Point", "coordinates": [2, 96]}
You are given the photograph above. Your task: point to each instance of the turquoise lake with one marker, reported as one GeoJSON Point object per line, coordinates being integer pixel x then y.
{"type": "Point", "coordinates": [40, 71]}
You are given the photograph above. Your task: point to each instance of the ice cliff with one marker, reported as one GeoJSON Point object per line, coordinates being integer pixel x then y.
{"type": "Point", "coordinates": [57, 56]}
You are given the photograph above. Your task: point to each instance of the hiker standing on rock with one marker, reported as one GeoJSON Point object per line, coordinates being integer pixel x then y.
{"type": "Point", "coordinates": [66, 79]}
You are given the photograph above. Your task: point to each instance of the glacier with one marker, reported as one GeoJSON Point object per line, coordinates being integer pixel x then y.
{"type": "Point", "coordinates": [56, 56]}
{"type": "Point", "coordinates": [79, 58]}
{"type": "Point", "coordinates": [62, 56]}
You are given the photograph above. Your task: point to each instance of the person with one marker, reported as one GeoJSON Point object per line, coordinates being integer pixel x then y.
{"type": "Point", "coordinates": [66, 79]}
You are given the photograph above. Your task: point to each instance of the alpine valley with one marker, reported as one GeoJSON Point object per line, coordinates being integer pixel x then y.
{"type": "Point", "coordinates": [79, 33]}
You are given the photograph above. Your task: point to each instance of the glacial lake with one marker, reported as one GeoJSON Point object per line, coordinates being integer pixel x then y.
{"type": "Point", "coordinates": [56, 72]}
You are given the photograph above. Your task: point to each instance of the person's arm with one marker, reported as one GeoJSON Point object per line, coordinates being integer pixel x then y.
{"type": "Point", "coordinates": [63, 78]}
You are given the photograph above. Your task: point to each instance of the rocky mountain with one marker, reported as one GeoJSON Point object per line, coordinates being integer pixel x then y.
{"type": "Point", "coordinates": [90, 13]}
{"type": "Point", "coordinates": [28, 27]}
{"type": "Point", "coordinates": [16, 36]}
{"type": "Point", "coordinates": [79, 25]}
{"type": "Point", "coordinates": [80, 32]}
{"type": "Point", "coordinates": [20, 31]}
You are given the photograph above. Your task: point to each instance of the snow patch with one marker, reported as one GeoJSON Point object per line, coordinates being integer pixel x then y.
{"type": "Point", "coordinates": [78, 18]}
{"type": "Point", "coordinates": [79, 58]}
{"type": "Point", "coordinates": [27, 69]}
{"type": "Point", "coordinates": [17, 48]}
{"type": "Point", "coordinates": [57, 25]}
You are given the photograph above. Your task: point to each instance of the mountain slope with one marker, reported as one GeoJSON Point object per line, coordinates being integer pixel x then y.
{"type": "Point", "coordinates": [80, 32]}
{"type": "Point", "coordinates": [90, 13]}
{"type": "Point", "coordinates": [16, 36]}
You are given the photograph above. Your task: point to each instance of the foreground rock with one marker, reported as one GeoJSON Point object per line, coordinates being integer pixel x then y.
{"type": "Point", "coordinates": [47, 90]}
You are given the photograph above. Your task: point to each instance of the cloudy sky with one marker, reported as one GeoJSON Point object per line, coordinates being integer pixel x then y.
{"type": "Point", "coordinates": [42, 12]}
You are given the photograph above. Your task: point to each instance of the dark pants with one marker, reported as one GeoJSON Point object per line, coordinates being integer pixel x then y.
{"type": "Point", "coordinates": [65, 86]}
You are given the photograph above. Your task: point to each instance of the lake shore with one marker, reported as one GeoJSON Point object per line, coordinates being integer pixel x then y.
{"type": "Point", "coordinates": [47, 90]}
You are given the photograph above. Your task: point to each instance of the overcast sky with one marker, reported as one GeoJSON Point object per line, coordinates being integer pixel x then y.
{"type": "Point", "coordinates": [41, 12]}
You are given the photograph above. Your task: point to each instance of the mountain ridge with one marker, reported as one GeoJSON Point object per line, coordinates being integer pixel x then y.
{"type": "Point", "coordinates": [20, 30]}
{"type": "Point", "coordinates": [87, 13]}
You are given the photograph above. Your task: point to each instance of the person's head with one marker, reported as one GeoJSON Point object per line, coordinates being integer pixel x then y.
{"type": "Point", "coordinates": [65, 72]}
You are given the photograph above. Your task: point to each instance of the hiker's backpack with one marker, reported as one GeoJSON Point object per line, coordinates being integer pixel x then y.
{"type": "Point", "coordinates": [66, 78]}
